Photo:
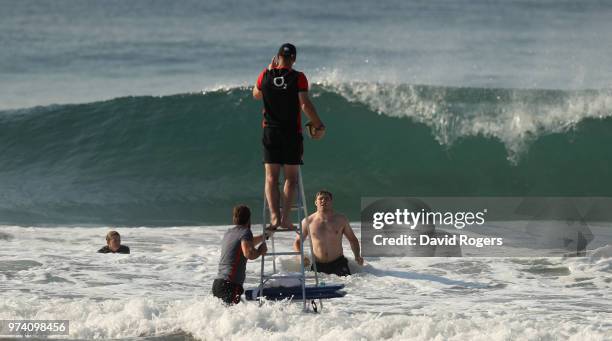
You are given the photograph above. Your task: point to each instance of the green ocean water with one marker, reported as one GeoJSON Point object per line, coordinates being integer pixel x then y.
{"type": "Point", "coordinates": [187, 159]}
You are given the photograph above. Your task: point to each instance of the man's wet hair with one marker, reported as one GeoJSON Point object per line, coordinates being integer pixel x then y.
{"type": "Point", "coordinates": [326, 192]}
{"type": "Point", "coordinates": [242, 215]}
{"type": "Point", "coordinates": [111, 234]}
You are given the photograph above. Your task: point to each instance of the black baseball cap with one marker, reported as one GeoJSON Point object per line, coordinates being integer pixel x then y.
{"type": "Point", "coordinates": [287, 50]}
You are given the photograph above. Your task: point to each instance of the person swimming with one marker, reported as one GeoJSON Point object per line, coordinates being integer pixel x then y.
{"type": "Point", "coordinates": [113, 244]}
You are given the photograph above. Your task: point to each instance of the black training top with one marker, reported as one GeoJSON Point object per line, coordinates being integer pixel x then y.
{"type": "Point", "coordinates": [280, 88]}
{"type": "Point", "coordinates": [122, 249]}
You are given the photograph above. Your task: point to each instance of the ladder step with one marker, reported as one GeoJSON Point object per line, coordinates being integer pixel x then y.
{"type": "Point", "coordinates": [283, 253]}
{"type": "Point", "coordinates": [272, 276]}
{"type": "Point", "coordinates": [284, 230]}
{"type": "Point", "coordinates": [293, 208]}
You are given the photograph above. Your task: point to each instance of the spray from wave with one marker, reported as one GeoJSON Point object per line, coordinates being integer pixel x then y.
{"type": "Point", "coordinates": [515, 117]}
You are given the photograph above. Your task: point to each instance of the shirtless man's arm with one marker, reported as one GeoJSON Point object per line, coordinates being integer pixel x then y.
{"type": "Point", "coordinates": [298, 241]}
{"type": "Point", "coordinates": [350, 235]}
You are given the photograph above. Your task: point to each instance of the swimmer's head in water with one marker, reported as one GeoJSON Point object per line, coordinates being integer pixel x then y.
{"type": "Point", "coordinates": [113, 240]}
{"type": "Point", "coordinates": [242, 215]}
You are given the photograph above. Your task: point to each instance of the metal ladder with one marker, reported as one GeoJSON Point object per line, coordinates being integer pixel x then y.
{"type": "Point", "coordinates": [302, 212]}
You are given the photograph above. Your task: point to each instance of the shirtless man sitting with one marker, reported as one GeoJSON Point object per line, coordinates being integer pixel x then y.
{"type": "Point", "coordinates": [326, 229]}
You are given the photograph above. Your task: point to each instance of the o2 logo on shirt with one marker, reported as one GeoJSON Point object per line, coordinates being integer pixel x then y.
{"type": "Point", "coordinates": [279, 82]}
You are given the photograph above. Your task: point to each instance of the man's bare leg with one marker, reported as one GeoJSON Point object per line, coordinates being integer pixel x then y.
{"type": "Point", "coordinates": [291, 179]}
{"type": "Point", "coordinates": [272, 192]}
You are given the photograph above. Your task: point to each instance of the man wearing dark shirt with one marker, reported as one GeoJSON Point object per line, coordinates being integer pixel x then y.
{"type": "Point", "coordinates": [285, 95]}
{"type": "Point", "coordinates": [113, 244]}
{"type": "Point", "coordinates": [238, 244]}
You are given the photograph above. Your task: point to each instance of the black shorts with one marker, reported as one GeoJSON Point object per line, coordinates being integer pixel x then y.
{"type": "Point", "coordinates": [282, 147]}
{"type": "Point", "coordinates": [227, 291]}
{"type": "Point", "coordinates": [337, 267]}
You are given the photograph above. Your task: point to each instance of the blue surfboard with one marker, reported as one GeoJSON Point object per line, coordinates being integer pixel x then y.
{"type": "Point", "coordinates": [312, 292]}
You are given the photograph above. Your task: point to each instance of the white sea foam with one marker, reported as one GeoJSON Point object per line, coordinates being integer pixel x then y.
{"type": "Point", "coordinates": [163, 287]}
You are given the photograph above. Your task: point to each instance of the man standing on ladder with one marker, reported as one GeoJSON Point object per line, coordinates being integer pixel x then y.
{"type": "Point", "coordinates": [285, 94]}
